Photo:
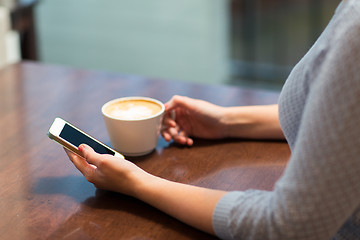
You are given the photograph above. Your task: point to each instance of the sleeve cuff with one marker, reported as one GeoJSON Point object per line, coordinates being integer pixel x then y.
{"type": "Point", "coordinates": [220, 219]}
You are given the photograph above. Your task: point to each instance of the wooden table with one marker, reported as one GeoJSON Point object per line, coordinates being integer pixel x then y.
{"type": "Point", "coordinates": [43, 196]}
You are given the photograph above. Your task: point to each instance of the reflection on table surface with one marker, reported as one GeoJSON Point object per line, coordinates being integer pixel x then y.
{"type": "Point", "coordinates": [42, 195]}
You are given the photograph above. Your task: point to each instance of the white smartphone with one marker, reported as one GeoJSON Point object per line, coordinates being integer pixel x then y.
{"type": "Point", "coordinates": [71, 137]}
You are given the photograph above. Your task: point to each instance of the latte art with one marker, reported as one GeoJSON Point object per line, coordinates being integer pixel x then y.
{"type": "Point", "coordinates": [133, 109]}
{"type": "Point", "coordinates": [133, 112]}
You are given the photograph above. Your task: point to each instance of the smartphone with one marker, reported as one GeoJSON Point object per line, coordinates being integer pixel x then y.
{"type": "Point", "coordinates": [71, 137]}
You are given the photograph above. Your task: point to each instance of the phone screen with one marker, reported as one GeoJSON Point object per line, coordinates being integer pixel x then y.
{"type": "Point", "coordinates": [76, 138]}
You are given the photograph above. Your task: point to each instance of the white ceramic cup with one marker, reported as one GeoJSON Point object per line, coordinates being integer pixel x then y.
{"type": "Point", "coordinates": [133, 124]}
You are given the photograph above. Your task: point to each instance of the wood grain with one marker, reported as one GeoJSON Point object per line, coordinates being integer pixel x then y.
{"type": "Point", "coordinates": [42, 195]}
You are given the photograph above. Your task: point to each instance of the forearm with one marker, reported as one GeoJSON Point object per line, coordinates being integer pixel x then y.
{"type": "Point", "coordinates": [255, 122]}
{"type": "Point", "coordinates": [189, 204]}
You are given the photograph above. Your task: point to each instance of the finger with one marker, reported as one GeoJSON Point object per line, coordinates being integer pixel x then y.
{"type": "Point", "coordinates": [177, 136]}
{"type": "Point", "coordinates": [167, 132]}
{"type": "Point", "coordinates": [169, 121]}
{"type": "Point", "coordinates": [90, 155]}
{"type": "Point", "coordinates": [187, 140]}
{"type": "Point", "coordinates": [79, 162]}
{"type": "Point", "coordinates": [170, 133]}
{"type": "Point", "coordinates": [166, 135]}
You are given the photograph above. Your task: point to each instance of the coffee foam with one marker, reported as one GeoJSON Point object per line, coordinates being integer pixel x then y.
{"type": "Point", "coordinates": [133, 110]}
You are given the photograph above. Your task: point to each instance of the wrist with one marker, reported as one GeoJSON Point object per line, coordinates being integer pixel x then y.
{"type": "Point", "coordinates": [235, 122]}
{"type": "Point", "coordinates": [143, 184]}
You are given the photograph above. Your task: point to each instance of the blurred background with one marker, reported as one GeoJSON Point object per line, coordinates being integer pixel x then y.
{"type": "Point", "coordinates": [239, 42]}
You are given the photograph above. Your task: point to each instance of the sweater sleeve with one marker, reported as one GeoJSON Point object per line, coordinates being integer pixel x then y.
{"type": "Point", "coordinates": [320, 188]}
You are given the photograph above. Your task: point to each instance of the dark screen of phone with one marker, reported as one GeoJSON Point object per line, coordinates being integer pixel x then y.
{"type": "Point", "coordinates": [76, 138]}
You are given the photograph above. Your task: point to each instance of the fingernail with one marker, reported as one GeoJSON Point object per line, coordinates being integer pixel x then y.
{"type": "Point", "coordinates": [81, 147]}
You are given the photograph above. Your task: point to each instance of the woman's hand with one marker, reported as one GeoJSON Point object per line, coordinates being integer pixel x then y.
{"type": "Point", "coordinates": [190, 204]}
{"type": "Point", "coordinates": [187, 117]}
{"type": "Point", "coordinates": [106, 171]}
{"type": "Point", "coordinates": [198, 118]}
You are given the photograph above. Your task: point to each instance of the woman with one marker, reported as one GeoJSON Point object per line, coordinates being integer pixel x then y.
{"type": "Point", "coordinates": [318, 197]}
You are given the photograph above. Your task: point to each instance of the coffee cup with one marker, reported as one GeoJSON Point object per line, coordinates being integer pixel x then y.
{"type": "Point", "coordinates": [133, 124]}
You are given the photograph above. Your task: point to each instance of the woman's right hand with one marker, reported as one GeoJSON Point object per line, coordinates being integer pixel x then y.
{"type": "Point", "coordinates": [108, 172]}
{"type": "Point", "coordinates": [187, 117]}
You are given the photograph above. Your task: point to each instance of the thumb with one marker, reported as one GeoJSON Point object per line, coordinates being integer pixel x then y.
{"type": "Point", "coordinates": [89, 154]}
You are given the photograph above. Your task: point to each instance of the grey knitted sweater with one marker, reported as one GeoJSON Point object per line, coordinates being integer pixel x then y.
{"type": "Point", "coordinates": [318, 196]}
